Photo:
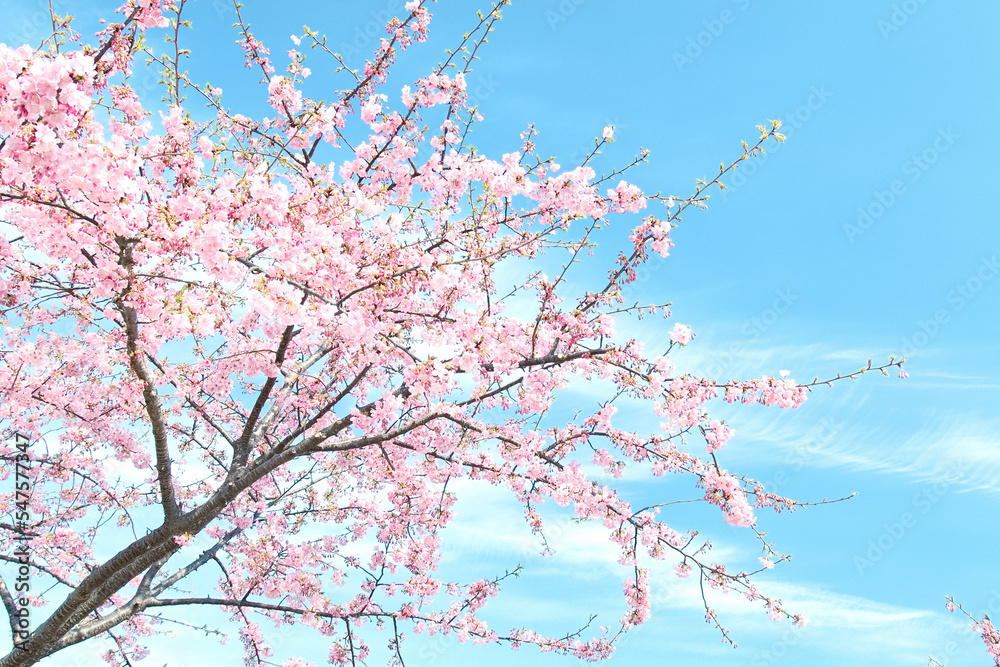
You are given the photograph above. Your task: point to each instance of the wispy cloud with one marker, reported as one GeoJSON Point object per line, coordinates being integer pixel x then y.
{"type": "Point", "coordinates": [957, 448]}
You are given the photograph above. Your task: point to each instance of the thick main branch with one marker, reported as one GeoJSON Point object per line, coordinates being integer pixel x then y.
{"type": "Point", "coordinates": [137, 362]}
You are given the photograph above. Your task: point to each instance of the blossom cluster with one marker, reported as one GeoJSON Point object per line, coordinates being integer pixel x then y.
{"type": "Point", "coordinates": [240, 354]}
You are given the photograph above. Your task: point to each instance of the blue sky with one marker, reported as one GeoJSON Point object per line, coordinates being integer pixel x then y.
{"type": "Point", "coordinates": [871, 231]}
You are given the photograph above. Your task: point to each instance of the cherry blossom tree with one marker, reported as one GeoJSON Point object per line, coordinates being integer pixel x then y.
{"type": "Point", "coordinates": [984, 626]}
{"type": "Point", "coordinates": [287, 336]}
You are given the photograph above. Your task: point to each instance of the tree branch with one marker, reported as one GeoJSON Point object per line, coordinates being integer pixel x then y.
{"type": "Point", "coordinates": [136, 356]}
{"type": "Point", "coordinates": [243, 444]}
{"type": "Point", "coordinates": [8, 603]}
{"type": "Point", "coordinates": [144, 594]}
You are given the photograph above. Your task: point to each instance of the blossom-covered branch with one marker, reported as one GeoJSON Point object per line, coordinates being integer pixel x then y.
{"type": "Point", "coordinates": [260, 347]}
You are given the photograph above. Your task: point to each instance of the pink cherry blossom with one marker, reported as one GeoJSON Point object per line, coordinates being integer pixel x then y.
{"type": "Point", "coordinates": [289, 343]}
{"type": "Point", "coordinates": [681, 334]}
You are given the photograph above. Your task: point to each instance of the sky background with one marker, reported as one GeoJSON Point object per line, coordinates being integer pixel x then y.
{"type": "Point", "coordinates": [872, 231]}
